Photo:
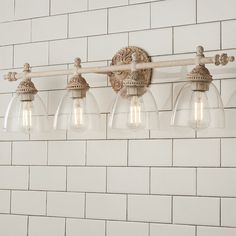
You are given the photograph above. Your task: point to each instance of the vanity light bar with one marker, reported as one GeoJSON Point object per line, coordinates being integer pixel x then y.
{"type": "Point", "coordinates": [122, 65]}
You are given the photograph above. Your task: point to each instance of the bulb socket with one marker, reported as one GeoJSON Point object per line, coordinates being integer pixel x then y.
{"type": "Point", "coordinates": [78, 85]}
{"type": "Point", "coordinates": [200, 78]}
{"type": "Point", "coordinates": [26, 90]}
{"type": "Point", "coordinates": [78, 93]}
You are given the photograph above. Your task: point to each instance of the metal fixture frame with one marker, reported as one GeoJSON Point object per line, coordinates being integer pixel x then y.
{"type": "Point", "coordinates": [122, 66]}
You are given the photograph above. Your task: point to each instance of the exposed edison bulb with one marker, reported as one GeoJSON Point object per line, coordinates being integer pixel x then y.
{"type": "Point", "coordinates": [135, 117]}
{"type": "Point", "coordinates": [200, 115]}
{"type": "Point", "coordinates": [78, 116]}
{"type": "Point", "coordinates": [27, 115]}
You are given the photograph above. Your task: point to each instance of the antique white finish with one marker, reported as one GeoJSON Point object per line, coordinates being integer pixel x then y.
{"type": "Point", "coordinates": [121, 64]}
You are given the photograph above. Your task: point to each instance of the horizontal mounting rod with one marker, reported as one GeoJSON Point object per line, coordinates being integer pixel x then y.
{"type": "Point", "coordinates": [222, 59]}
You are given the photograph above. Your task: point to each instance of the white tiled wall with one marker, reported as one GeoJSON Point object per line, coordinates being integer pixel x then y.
{"type": "Point", "coordinates": [170, 182]}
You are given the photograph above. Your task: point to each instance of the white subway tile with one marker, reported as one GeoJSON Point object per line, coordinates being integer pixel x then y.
{"type": "Point", "coordinates": [12, 225]}
{"type": "Point", "coordinates": [162, 94]}
{"type": "Point", "coordinates": [154, 42]}
{"type": "Point", "coordinates": [10, 136]}
{"type": "Point", "coordinates": [54, 98]}
{"type": "Point", "coordinates": [177, 15]}
{"type": "Point", "coordinates": [96, 80]}
{"type": "Point", "coordinates": [46, 226]}
{"type": "Point", "coordinates": [34, 53]}
{"type": "Point", "coordinates": [112, 43]}
{"type": "Point", "coordinates": [228, 131]}
{"type": "Point", "coordinates": [64, 51]}
{"type": "Point", "coordinates": [140, 1]}
{"type": "Point", "coordinates": [15, 32]}
{"type": "Point", "coordinates": [216, 182]}
{"type": "Point", "coordinates": [6, 59]}
{"type": "Point", "coordinates": [100, 133]}
{"type": "Point", "coordinates": [6, 10]}
{"type": "Point", "coordinates": [94, 4]}
{"type": "Point", "coordinates": [126, 133]}
{"type": "Point", "coordinates": [168, 131]}
{"type": "Point", "coordinates": [211, 10]}
{"type": "Point", "coordinates": [47, 178]}
{"type": "Point", "coordinates": [128, 180]}
{"type": "Point", "coordinates": [5, 153]}
{"type": "Point", "coordinates": [150, 152]}
{"type": "Point", "coordinates": [65, 204]}
{"type": "Point", "coordinates": [47, 83]}
{"type": "Point", "coordinates": [126, 229]}
{"type": "Point", "coordinates": [14, 177]}
{"type": "Point", "coordinates": [66, 153]}
{"type": "Point", "coordinates": [228, 212]}
{"type": "Point", "coordinates": [106, 206]}
{"type": "Point", "coordinates": [51, 134]}
{"type": "Point", "coordinates": [29, 153]}
{"type": "Point", "coordinates": [171, 230]}
{"type": "Point", "coordinates": [134, 17]}
{"type": "Point", "coordinates": [228, 150]}
{"type": "Point", "coordinates": [5, 201]}
{"type": "Point", "coordinates": [228, 39]}
{"type": "Point", "coordinates": [66, 6]}
{"type": "Point", "coordinates": [31, 8]}
{"type": "Point", "coordinates": [197, 152]}
{"type": "Point", "coordinates": [215, 231]}
{"type": "Point", "coordinates": [75, 227]}
{"type": "Point", "coordinates": [187, 38]}
{"type": "Point", "coordinates": [48, 28]}
{"type": "Point", "coordinates": [196, 210]}
{"type": "Point", "coordinates": [149, 208]}
{"type": "Point", "coordinates": [109, 152]}
{"type": "Point", "coordinates": [86, 179]}
{"type": "Point", "coordinates": [173, 181]}
{"type": "Point", "coordinates": [101, 95]}
{"type": "Point", "coordinates": [5, 86]}
{"type": "Point", "coordinates": [228, 92]}
{"type": "Point", "coordinates": [96, 23]}
{"type": "Point", "coordinates": [28, 202]}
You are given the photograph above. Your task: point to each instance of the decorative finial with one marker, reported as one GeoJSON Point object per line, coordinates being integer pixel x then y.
{"type": "Point", "coordinates": [77, 62]}
{"type": "Point", "coordinates": [200, 50]}
{"type": "Point", "coordinates": [26, 67]}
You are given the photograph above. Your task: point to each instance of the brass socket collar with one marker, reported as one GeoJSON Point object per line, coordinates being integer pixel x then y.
{"type": "Point", "coordinates": [135, 84]}
{"type": "Point", "coordinates": [77, 82]}
{"type": "Point", "coordinates": [200, 78]}
{"type": "Point", "coordinates": [26, 89]}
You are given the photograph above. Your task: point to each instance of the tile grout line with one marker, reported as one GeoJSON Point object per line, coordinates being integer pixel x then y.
{"type": "Point", "coordinates": [220, 205]}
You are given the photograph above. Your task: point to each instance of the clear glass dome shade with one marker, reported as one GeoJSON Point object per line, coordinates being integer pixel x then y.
{"type": "Point", "coordinates": [26, 116]}
{"type": "Point", "coordinates": [198, 109]}
{"type": "Point", "coordinates": [134, 112]}
{"type": "Point", "coordinates": [78, 114]}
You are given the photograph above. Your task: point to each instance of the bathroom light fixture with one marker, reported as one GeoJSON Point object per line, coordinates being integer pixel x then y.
{"type": "Point", "coordinates": [26, 111]}
{"type": "Point", "coordinates": [135, 106]}
{"type": "Point", "coordinates": [78, 109]}
{"type": "Point", "coordinates": [199, 104]}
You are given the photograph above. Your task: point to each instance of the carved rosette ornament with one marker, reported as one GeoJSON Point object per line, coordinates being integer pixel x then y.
{"type": "Point", "coordinates": [223, 59]}
{"type": "Point", "coordinates": [124, 56]}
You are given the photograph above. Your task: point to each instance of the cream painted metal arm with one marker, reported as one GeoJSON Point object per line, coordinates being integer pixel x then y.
{"type": "Point", "coordinates": [217, 60]}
